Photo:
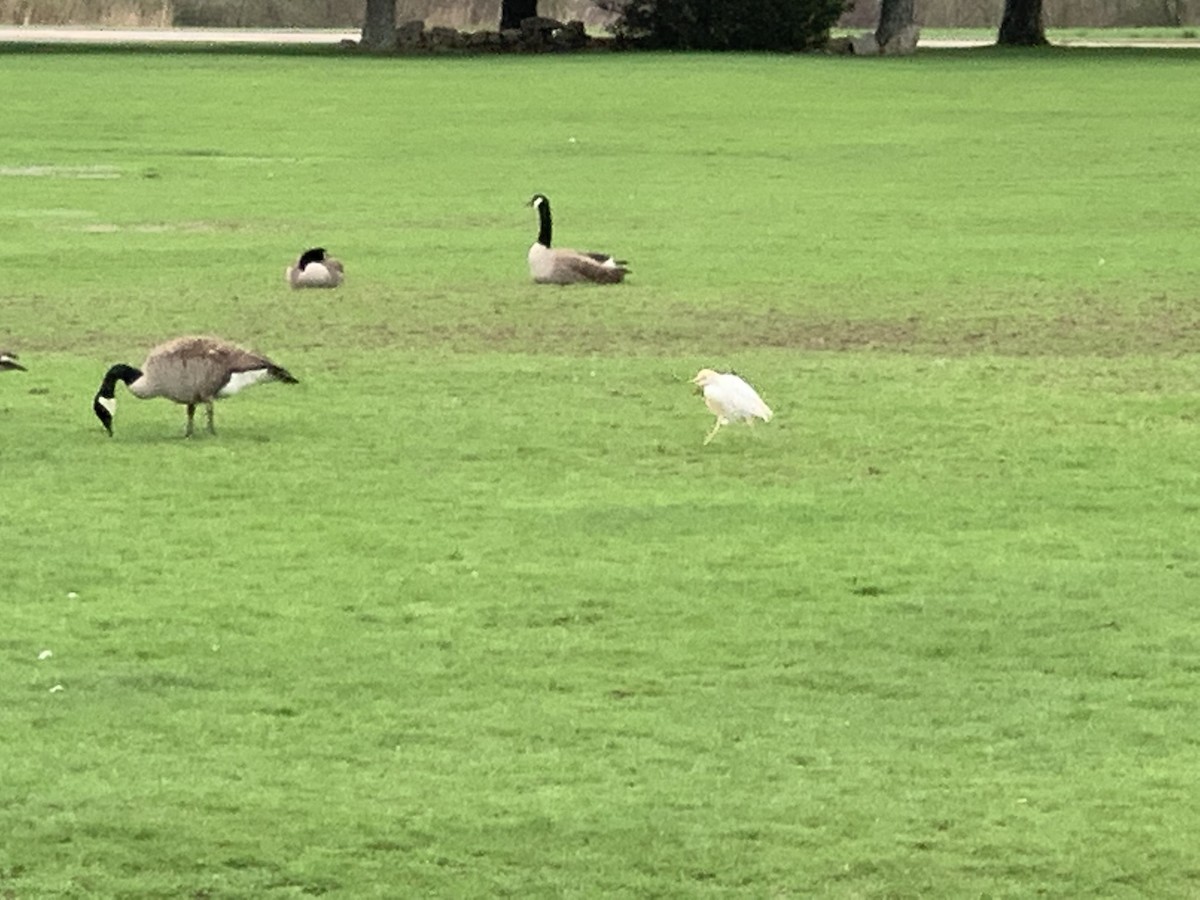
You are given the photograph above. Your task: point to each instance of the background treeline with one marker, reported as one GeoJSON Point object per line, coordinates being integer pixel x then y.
{"type": "Point", "coordinates": [485, 13]}
{"type": "Point", "coordinates": [1058, 13]}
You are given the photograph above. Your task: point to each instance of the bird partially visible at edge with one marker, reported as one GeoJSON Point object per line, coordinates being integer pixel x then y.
{"type": "Point", "coordinates": [191, 371]}
{"type": "Point", "coordinates": [730, 398]}
{"type": "Point", "coordinates": [8, 361]}
{"type": "Point", "coordinates": [315, 269]}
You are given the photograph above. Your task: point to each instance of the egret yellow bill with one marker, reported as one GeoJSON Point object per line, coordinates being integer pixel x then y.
{"type": "Point", "coordinates": [730, 399]}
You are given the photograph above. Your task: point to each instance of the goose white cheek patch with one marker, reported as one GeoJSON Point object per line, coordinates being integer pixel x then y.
{"type": "Point", "coordinates": [240, 380]}
{"type": "Point", "coordinates": [109, 403]}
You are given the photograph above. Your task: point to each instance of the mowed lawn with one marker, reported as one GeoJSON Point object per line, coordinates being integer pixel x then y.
{"type": "Point", "coordinates": [470, 611]}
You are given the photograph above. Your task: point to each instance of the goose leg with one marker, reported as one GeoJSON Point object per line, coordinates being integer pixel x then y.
{"type": "Point", "coordinates": [191, 408]}
{"type": "Point", "coordinates": [712, 434]}
{"type": "Point", "coordinates": [209, 409]}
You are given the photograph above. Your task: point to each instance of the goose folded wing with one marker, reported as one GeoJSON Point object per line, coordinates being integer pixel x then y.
{"type": "Point", "coordinates": [606, 260]}
{"type": "Point", "coordinates": [588, 268]}
{"type": "Point", "coordinates": [246, 369]}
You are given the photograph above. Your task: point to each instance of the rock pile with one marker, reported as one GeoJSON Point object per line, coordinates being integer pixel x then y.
{"type": "Point", "coordinates": [537, 34]}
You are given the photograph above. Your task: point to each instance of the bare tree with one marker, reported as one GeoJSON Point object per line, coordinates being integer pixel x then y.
{"type": "Point", "coordinates": [513, 11]}
{"type": "Point", "coordinates": [1174, 12]}
{"type": "Point", "coordinates": [379, 25]}
{"type": "Point", "coordinates": [894, 17]}
{"type": "Point", "coordinates": [1022, 24]}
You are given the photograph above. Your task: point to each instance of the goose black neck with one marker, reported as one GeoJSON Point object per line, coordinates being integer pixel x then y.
{"type": "Point", "coordinates": [317, 254]}
{"type": "Point", "coordinates": [119, 372]}
{"type": "Point", "coordinates": [544, 217]}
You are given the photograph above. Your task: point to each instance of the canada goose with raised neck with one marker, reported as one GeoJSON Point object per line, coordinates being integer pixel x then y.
{"type": "Point", "coordinates": [315, 269]}
{"type": "Point", "coordinates": [190, 371]}
{"type": "Point", "coordinates": [560, 265]}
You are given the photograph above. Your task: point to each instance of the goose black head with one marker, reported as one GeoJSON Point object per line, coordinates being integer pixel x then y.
{"type": "Point", "coordinates": [104, 404]}
{"type": "Point", "coordinates": [539, 200]}
{"type": "Point", "coordinates": [315, 255]}
{"type": "Point", "coordinates": [104, 408]}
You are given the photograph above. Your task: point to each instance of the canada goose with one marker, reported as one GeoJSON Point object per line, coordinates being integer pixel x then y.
{"type": "Point", "coordinates": [188, 370]}
{"type": "Point", "coordinates": [730, 399]}
{"type": "Point", "coordinates": [8, 360]}
{"type": "Point", "coordinates": [563, 266]}
{"type": "Point", "coordinates": [315, 269]}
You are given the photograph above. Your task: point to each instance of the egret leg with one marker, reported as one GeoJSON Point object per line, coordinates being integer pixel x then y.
{"type": "Point", "coordinates": [209, 407]}
{"type": "Point", "coordinates": [712, 434]}
{"type": "Point", "coordinates": [191, 408]}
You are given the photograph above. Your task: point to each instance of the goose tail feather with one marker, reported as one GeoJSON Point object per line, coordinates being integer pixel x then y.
{"type": "Point", "coordinates": [279, 373]}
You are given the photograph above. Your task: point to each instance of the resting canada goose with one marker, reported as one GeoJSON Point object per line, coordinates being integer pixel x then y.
{"type": "Point", "coordinates": [563, 266]}
{"type": "Point", "coordinates": [191, 371]}
{"type": "Point", "coordinates": [315, 269]}
{"type": "Point", "coordinates": [9, 361]}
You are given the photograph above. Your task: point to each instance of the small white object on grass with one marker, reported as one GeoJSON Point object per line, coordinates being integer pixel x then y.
{"type": "Point", "coordinates": [57, 688]}
{"type": "Point", "coordinates": [71, 595]}
{"type": "Point", "coordinates": [730, 399]}
{"type": "Point", "coordinates": [45, 654]}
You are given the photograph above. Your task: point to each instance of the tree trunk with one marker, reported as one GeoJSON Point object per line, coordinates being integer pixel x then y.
{"type": "Point", "coordinates": [513, 11]}
{"type": "Point", "coordinates": [379, 25]}
{"type": "Point", "coordinates": [1022, 24]}
{"type": "Point", "coordinates": [894, 16]}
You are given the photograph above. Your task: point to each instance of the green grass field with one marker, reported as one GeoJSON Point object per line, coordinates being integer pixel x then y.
{"type": "Point", "coordinates": [471, 612]}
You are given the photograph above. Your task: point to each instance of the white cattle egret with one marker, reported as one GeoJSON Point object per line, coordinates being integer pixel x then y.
{"type": "Point", "coordinates": [730, 399]}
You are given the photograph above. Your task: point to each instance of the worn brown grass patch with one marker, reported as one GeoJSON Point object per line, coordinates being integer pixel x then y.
{"type": "Point", "coordinates": [1167, 331]}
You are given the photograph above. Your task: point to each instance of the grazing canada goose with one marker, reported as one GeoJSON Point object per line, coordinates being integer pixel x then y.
{"type": "Point", "coordinates": [730, 399]}
{"type": "Point", "coordinates": [191, 371]}
{"type": "Point", "coordinates": [563, 266]}
{"type": "Point", "coordinates": [315, 269]}
{"type": "Point", "coordinates": [9, 361]}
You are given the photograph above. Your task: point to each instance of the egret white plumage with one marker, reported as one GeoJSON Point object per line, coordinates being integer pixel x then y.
{"type": "Point", "coordinates": [731, 399]}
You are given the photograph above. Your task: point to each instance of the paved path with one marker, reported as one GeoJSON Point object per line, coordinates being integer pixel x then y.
{"type": "Point", "coordinates": [1182, 44]}
{"type": "Point", "coordinates": [65, 34]}
{"type": "Point", "coordinates": [46, 34]}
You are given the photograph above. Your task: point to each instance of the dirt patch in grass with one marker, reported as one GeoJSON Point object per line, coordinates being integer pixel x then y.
{"type": "Point", "coordinates": [1172, 331]}
{"type": "Point", "coordinates": [1161, 331]}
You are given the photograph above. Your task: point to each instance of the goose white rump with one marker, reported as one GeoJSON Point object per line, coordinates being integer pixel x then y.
{"type": "Point", "coordinates": [239, 380]}
{"type": "Point", "coordinates": [315, 269]}
{"type": "Point", "coordinates": [9, 361]}
{"type": "Point", "coordinates": [731, 399]}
